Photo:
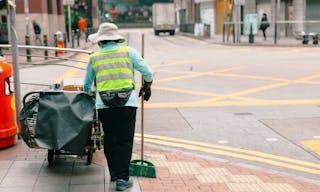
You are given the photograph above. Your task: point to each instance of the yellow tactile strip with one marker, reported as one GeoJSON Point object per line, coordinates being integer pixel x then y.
{"type": "Point", "coordinates": [180, 173]}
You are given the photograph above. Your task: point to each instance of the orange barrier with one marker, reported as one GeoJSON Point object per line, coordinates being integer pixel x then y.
{"type": "Point", "coordinates": [60, 44]}
{"type": "Point", "coordinates": [8, 125]}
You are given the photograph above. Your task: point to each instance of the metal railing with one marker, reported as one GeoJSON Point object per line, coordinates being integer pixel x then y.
{"type": "Point", "coordinates": [45, 50]}
{"type": "Point", "coordinates": [294, 29]}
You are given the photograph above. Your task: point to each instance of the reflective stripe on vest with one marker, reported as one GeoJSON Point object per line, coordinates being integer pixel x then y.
{"type": "Point", "coordinates": [112, 69]}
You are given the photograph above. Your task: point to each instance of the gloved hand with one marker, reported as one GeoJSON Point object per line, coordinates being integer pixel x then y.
{"type": "Point", "coordinates": [145, 90]}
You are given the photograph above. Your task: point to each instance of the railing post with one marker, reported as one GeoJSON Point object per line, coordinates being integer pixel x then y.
{"type": "Point", "coordinates": [223, 32]}
{"type": "Point", "coordinates": [234, 33]}
{"type": "Point", "coordinates": [45, 43]}
{"type": "Point", "coordinates": [72, 38]}
{"type": "Point", "coordinates": [87, 33]}
{"type": "Point", "coordinates": [251, 36]}
{"type": "Point", "coordinates": [78, 37]}
{"type": "Point", "coordinates": [28, 51]}
{"type": "Point", "coordinates": [65, 39]}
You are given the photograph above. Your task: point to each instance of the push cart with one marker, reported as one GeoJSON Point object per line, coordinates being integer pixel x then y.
{"type": "Point", "coordinates": [64, 122]}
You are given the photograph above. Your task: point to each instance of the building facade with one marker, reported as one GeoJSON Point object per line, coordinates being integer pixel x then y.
{"type": "Point", "coordinates": [48, 14]}
{"type": "Point", "coordinates": [51, 15]}
{"type": "Point", "coordinates": [290, 17]}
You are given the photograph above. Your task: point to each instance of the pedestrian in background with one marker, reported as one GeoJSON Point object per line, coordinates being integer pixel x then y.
{"type": "Point", "coordinates": [112, 69]}
{"type": "Point", "coordinates": [82, 25]}
{"type": "Point", "coordinates": [264, 25]}
{"type": "Point", "coordinates": [37, 32]}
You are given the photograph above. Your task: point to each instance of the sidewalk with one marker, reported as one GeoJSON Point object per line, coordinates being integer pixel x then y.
{"type": "Point", "coordinates": [258, 41]}
{"type": "Point", "coordinates": [26, 170]}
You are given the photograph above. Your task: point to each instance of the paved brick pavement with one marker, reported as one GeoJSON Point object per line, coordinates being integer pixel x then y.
{"type": "Point", "coordinates": [177, 171]}
{"type": "Point", "coordinates": [182, 172]}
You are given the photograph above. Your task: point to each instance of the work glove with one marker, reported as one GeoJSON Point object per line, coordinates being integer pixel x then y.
{"type": "Point", "coordinates": [145, 90]}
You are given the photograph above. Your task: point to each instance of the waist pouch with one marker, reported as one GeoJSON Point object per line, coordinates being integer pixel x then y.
{"type": "Point", "coordinates": [115, 98]}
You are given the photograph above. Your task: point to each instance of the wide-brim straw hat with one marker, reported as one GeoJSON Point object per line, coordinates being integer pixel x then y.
{"type": "Point", "coordinates": [106, 31]}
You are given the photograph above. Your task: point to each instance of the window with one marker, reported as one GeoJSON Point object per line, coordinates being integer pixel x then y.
{"type": "Point", "coordinates": [59, 7]}
{"type": "Point", "coordinates": [49, 4]}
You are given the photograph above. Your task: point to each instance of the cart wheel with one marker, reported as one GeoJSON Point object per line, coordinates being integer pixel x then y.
{"type": "Point", "coordinates": [50, 156]}
{"type": "Point", "coordinates": [89, 156]}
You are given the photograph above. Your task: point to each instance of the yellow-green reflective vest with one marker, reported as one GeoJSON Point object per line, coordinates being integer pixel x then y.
{"type": "Point", "coordinates": [112, 68]}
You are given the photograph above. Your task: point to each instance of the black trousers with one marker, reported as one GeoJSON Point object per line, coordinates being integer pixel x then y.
{"type": "Point", "coordinates": [118, 126]}
{"type": "Point", "coordinates": [264, 33]}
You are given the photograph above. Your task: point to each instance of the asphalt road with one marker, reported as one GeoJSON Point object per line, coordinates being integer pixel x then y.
{"type": "Point", "coordinates": [253, 105]}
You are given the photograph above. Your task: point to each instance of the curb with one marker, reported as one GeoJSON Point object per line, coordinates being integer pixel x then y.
{"type": "Point", "coordinates": [243, 44]}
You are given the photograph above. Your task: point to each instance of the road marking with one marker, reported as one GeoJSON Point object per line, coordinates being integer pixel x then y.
{"type": "Point", "coordinates": [224, 100]}
{"type": "Point", "coordinates": [271, 139]}
{"type": "Point", "coordinates": [186, 91]}
{"type": "Point", "coordinates": [265, 78]}
{"type": "Point", "coordinates": [280, 161]}
{"type": "Point", "coordinates": [197, 74]}
{"type": "Point", "coordinates": [313, 145]}
{"type": "Point", "coordinates": [70, 73]}
{"type": "Point", "coordinates": [223, 141]}
{"type": "Point", "coordinates": [175, 63]}
{"type": "Point", "coordinates": [276, 85]}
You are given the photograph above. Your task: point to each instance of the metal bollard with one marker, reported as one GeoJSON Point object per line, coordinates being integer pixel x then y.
{"type": "Point", "coordinates": [315, 38]}
{"type": "Point", "coordinates": [223, 32]}
{"type": "Point", "coordinates": [65, 39]}
{"type": "Point", "coordinates": [45, 43]}
{"type": "Point", "coordinates": [28, 51]}
{"type": "Point", "coordinates": [78, 37]}
{"type": "Point", "coordinates": [305, 39]}
{"type": "Point", "coordinates": [87, 34]}
{"type": "Point", "coordinates": [72, 38]}
{"type": "Point", "coordinates": [234, 33]}
{"type": "Point", "coordinates": [60, 42]}
{"type": "Point", "coordinates": [251, 36]}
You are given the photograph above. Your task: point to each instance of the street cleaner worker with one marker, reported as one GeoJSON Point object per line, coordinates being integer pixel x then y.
{"type": "Point", "coordinates": [112, 69]}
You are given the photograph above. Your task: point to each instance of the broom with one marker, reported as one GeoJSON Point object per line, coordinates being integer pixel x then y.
{"type": "Point", "coordinates": [141, 167]}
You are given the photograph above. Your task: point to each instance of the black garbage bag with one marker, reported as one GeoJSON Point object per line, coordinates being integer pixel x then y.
{"type": "Point", "coordinates": [63, 121]}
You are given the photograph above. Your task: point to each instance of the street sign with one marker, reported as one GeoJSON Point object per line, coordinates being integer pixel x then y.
{"type": "Point", "coordinates": [251, 20]}
{"type": "Point", "coordinates": [68, 2]}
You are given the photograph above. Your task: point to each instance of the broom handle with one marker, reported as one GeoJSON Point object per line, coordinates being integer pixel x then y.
{"type": "Point", "coordinates": [142, 122]}
{"type": "Point", "coordinates": [142, 102]}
